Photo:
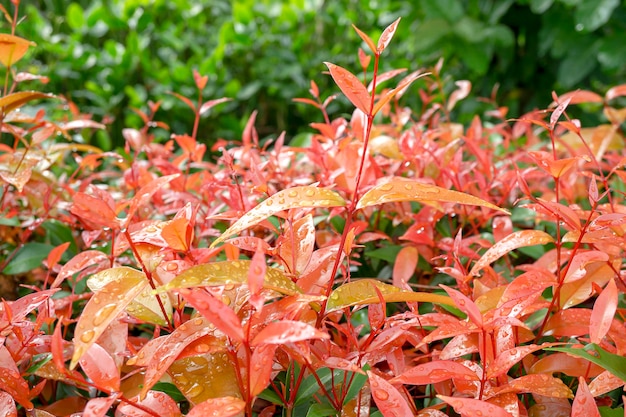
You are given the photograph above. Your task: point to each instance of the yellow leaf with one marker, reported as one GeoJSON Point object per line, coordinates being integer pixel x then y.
{"type": "Point", "coordinates": [405, 190]}
{"type": "Point", "coordinates": [15, 100]}
{"type": "Point", "coordinates": [296, 197]}
{"type": "Point", "coordinates": [12, 48]}
{"type": "Point", "coordinates": [363, 292]}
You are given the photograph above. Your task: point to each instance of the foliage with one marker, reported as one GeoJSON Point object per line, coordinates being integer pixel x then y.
{"type": "Point", "coordinates": [109, 56]}
{"type": "Point", "coordinates": [394, 263]}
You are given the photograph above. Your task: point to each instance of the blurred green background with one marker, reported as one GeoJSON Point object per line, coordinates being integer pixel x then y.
{"type": "Point", "coordinates": [109, 56]}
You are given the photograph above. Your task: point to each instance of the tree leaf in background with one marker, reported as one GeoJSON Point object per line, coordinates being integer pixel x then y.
{"type": "Point", "coordinates": [27, 258]}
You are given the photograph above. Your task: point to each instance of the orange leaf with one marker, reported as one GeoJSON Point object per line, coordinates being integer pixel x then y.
{"type": "Point", "coordinates": [12, 101]}
{"type": "Point", "coordinates": [366, 39]}
{"type": "Point", "coordinates": [212, 103]}
{"type": "Point", "coordinates": [218, 407]}
{"type": "Point", "coordinates": [436, 371]}
{"type": "Point", "coordinates": [159, 402]}
{"type": "Point", "coordinates": [100, 367]}
{"type": "Point", "coordinates": [296, 197]}
{"type": "Point", "coordinates": [55, 255]}
{"type": "Point", "coordinates": [287, 331]}
{"type": "Point", "coordinates": [399, 90]}
{"type": "Point", "coordinates": [513, 241]}
{"type": "Point", "coordinates": [105, 306]}
{"type": "Point", "coordinates": [540, 384]}
{"type": "Point", "coordinates": [403, 190]}
{"type": "Point", "coordinates": [387, 397]}
{"type": "Point", "coordinates": [580, 96]}
{"type": "Point", "coordinates": [351, 86]}
{"type": "Point", "coordinates": [146, 192]}
{"type": "Point", "coordinates": [584, 404]}
{"type": "Point", "coordinates": [12, 48]}
{"type": "Point", "coordinates": [386, 36]}
{"type": "Point", "coordinates": [506, 359]}
{"type": "Point", "coordinates": [603, 312]}
{"type": "Point", "coordinates": [469, 407]}
{"type": "Point", "coordinates": [261, 370]}
{"type": "Point", "coordinates": [404, 266]}
{"type": "Point", "coordinates": [175, 233]}
{"type": "Point", "coordinates": [7, 405]}
{"type": "Point", "coordinates": [94, 211]}
{"type": "Point", "coordinates": [617, 91]}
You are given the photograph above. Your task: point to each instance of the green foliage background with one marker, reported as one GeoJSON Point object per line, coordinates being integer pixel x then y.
{"type": "Point", "coordinates": [110, 55]}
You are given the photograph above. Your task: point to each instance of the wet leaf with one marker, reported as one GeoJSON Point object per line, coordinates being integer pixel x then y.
{"type": "Point", "coordinates": [386, 36]}
{"type": "Point", "coordinates": [615, 364]}
{"type": "Point", "coordinates": [18, 171]}
{"type": "Point", "coordinates": [11, 381]}
{"type": "Point", "coordinates": [13, 101]}
{"type": "Point", "coordinates": [584, 404]}
{"type": "Point", "coordinates": [298, 244]}
{"type": "Point", "coordinates": [100, 367]}
{"type": "Point", "coordinates": [466, 305]}
{"type": "Point", "coordinates": [387, 397]}
{"type": "Point", "coordinates": [603, 313]}
{"type": "Point", "coordinates": [404, 190]}
{"type": "Point", "coordinates": [513, 241]}
{"type": "Point", "coordinates": [218, 407]}
{"type": "Point", "coordinates": [96, 212]}
{"type": "Point", "coordinates": [169, 349]}
{"type": "Point", "coordinates": [469, 407]}
{"type": "Point", "coordinates": [363, 292]}
{"type": "Point", "coordinates": [229, 272]}
{"type": "Point", "coordinates": [351, 86]}
{"type": "Point", "coordinates": [178, 234]}
{"type": "Point", "coordinates": [7, 405]}
{"type": "Point", "coordinates": [296, 197]}
{"type": "Point", "coordinates": [78, 263]}
{"type": "Point", "coordinates": [506, 359]}
{"type": "Point", "coordinates": [261, 368]}
{"type": "Point", "coordinates": [604, 383]}
{"type": "Point", "coordinates": [540, 384]}
{"type": "Point", "coordinates": [55, 255]}
{"type": "Point", "coordinates": [435, 371]}
{"type": "Point", "coordinates": [159, 402]}
{"type": "Point", "coordinates": [287, 331]}
{"type": "Point", "coordinates": [98, 407]}
{"type": "Point", "coordinates": [215, 311]}
{"type": "Point", "coordinates": [404, 266]}
{"type": "Point", "coordinates": [12, 48]}
{"type": "Point", "coordinates": [145, 193]}
{"type": "Point", "coordinates": [105, 306]}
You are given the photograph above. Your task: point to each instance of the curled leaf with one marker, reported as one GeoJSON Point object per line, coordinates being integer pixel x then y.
{"type": "Point", "coordinates": [296, 197]}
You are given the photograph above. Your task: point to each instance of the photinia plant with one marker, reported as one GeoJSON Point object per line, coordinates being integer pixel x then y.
{"type": "Point", "coordinates": [396, 263]}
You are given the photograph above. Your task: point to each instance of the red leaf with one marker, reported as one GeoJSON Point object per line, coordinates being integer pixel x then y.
{"type": "Point", "coordinates": [386, 36]}
{"type": "Point", "coordinates": [55, 255]}
{"type": "Point", "coordinates": [218, 407]}
{"type": "Point", "coordinates": [584, 404]}
{"type": "Point", "coordinates": [287, 331]}
{"type": "Point", "coordinates": [215, 311]}
{"type": "Point", "coordinates": [100, 367]}
{"type": "Point", "coordinates": [436, 371]}
{"type": "Point", "coordinates": [617, 91]}
{"type": "Point", "coordinates": [257, 271]}
{"type": "Point", "coordinates": [384, 77]}
{"type": "Point", "coordinates": [469, 407]}
{"type": "Point", "coordinates": [145, 194]}
{"type": "Point", "coordinates": [79, 263]}
{"type": "Point", "coordinates": [261, 368]}
{"type": "Point", "coordinates": [351, 86]}
{"type": "Point", "coordinates": [505, 360]}
{"type": "Point", "coordinates": [466, 305]}
{"type": "Point", "coordinates": [387, 397]}
{"type": "Point", "coordinates": [603, 312]}
{"type": "Point", "coordinates": [7, 405]}
{"type": "Point", "coordinates": [364, 59]}
{"type": "Point", "coordinates": [580, 96]}
{"type": "Point", "coordinates": [98, 407]}
{"type": "Point", "coordinates": [11, 381]}
{"type": "Point", "coordinates": [404, 267]}
{"type": "Point", "coordinates": [540, 384]}
{"type": "Point", "coordinates": [212, 103]}
{"type": "Point", "coordinates": [95, 212]}
{"type": "Point", "coordinates": [366, 39]}
{"type": "Point", "coordinates": [159, 402]}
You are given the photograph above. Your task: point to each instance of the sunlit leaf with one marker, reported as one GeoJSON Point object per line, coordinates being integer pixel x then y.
{"type": "Point", "coordinates": [362, 292]}
{"type": "Point", "coordinates": [351, 86]}
{"type": "Point", "coordinates": [387, 397]}
{"type": "Point", "coordinates": [296, 197]}
{"type": "Point", "coordinates": [7, 405]}
{"type": "Point", "coordinates": [215, 311]}
{"type": "Point", "coordinates": [158, 402]}
{"type": "Point", "coordinates": [287, 331]}
{"type": "Point", "coordinates": [12, 48]}
{"type": "Point", "coordinates": [513, 241]}
{"type": "Point", "coordinates": [366, 39]}
{"type": "Point", "coordinates": [218, 407]}
{"type": "Point", "coordinates": [435, 371]}
{"type": "Point", "coordinates": [467, 407]}
{"type": "Point", "coordinates": [13, 101]}
{"type": "Point", "coordinates": [506, 359]}
{"type": "Point", "coordinates": [261, 368]}
{"type": "Point", "coordinates": [105, 306]}
{"type": "Point", "coordinates": [169, 349]}
{"type": "Point", "coordinates": [229, 272]}
{"type": "Point", "coordinates": [603, 312]}
{"type": "Point", "coordinates": [386, 36]}
{"type": "Point", "coordinates": [584, 404]}
{"type": "Point", "coordinates": [405, 190]}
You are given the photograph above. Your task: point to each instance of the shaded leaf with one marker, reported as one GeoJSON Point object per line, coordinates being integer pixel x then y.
{"type": "Point", "coordinates": [603, 312]}
{"type": "Point", "coordinates": [27, 258]}
{"type": "Point", "coordinates": [615, 364]}
{"type": "Point", "coordinates": [363, 292]}
{"type": "Point", "coordinates": [105, 306]}
{"type": "Point", "coordinates": [351, 86]}
{"type": "Point", "coordinates": [403, 190]}
{"type": "Point", "coordinates": [159, 402]}
{"type": "Point", "coordinates": [229, 272]}
{"type": "Point", "coordinates": [218, 407]}
{"type": "Point", "coordinates": [435, 371]}
{"type": "Point", "coordinates": [584, 404]}
{"type": "Point", "coordinates": [296, 197]}
{"type": "Point", "coordinates": [287, 331]}
{"type": "Point", "coordinates": [513, 241]}
{"type": "Point", "coordinates": [387, 397]}
{"type": "Point", "coordinates": [469, 407]}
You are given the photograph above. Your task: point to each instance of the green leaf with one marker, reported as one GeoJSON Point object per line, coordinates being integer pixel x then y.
{"type": "Point", "coordinates": [321, 410]}
{"type": "Point", "coordinates": [386, 253]}
{"type": "Point", "coordinates": [27, 258]}
{"type": "Point", "coordinates": [59, 233]}
{"type": "Point", "coordinates": [271, 396]}
{"type": "Point", "coordinates": [578, 63]}
{"type": "Point", "coordinates": [310, 386]}
{"type": "Point", "coordinates": [615, 364]}
{"type": "Point", "coordinates": [75, 16]}
{"type": "Point", "coordinates": [611, 412]}
{"type": "Point", "coordinates": [169, 389]}
{"type": "Point", "coordinates": [592, 14]}
{"type": "Point", "coordinates": [358, 381]}
{"type": "Point", "coordinates": [451, 10]}
{"type": "Point", "coordinates": [540, 6]}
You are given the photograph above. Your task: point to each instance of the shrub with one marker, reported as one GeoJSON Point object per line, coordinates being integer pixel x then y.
{"type": "Point", "coordinates": [396, 264]}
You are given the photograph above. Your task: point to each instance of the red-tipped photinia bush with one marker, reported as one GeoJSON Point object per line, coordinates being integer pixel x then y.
{"type": "Point", "coordinates": [393, 264]}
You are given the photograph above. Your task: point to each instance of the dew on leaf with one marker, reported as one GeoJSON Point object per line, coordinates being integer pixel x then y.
{"type": "Point", "coordinates": [292, 194]}
{"type": "Point", "coordinates": [87, 336]}
{"type": "Point", "coordinates": [309, 192]}
{"type": "Point", "coordinates": [381, 395]}
{"type": "Point", "coordinates": [103, 314]}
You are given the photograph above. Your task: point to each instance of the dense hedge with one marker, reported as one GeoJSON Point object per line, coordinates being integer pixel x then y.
{"type": "Point", "coordinates": [112, 55]}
